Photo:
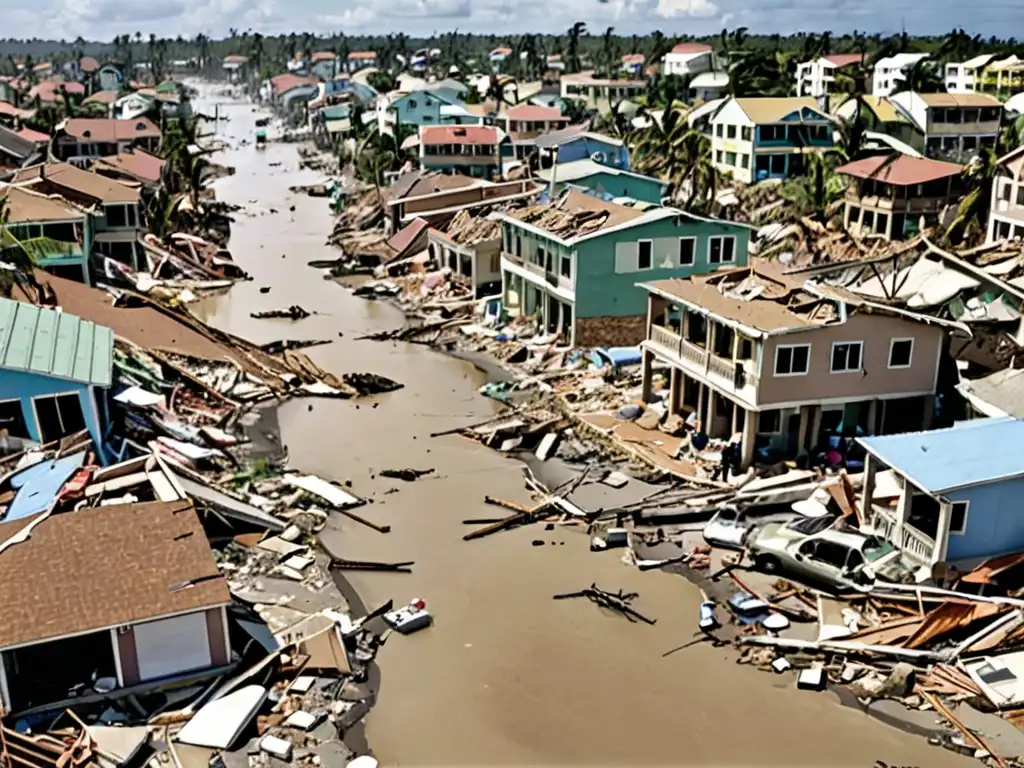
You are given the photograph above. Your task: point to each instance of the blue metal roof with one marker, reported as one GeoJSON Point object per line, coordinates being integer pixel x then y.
{"type": "Point", "coordinates": [53, 343]}
{"type": "Point", "coordinates": [38, 485]}
{"type": "Point", "coordinates": [976, 453]}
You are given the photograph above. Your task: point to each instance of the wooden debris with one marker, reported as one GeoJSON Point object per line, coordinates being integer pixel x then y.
{"type": "Point", "coordinates": [620, 602]}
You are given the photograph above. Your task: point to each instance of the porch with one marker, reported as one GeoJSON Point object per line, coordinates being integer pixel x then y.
{"type": "Point", "coordinates": [527, 294]}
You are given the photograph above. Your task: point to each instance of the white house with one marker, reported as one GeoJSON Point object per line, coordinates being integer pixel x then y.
{"type": "Point", "coordinates": [889, 72]}
{"type": "Point", "coordinates": [1006, 214]}
{"type": "Point", "coordinates": [966, 76]}
{"type": "Point", "coordinates": [708, 86]}
{"type": "Point", "coordinates": [688, 59]}
{"type": "Point", "coordinates": [818, 77]}
{"type": "Point", "coordinates": [955, 126]}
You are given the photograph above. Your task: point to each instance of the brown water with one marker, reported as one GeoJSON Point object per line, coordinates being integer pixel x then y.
{"type": "Point", "coordinates": [506, 675]}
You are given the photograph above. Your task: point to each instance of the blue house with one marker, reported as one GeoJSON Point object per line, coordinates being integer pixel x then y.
{"type": "Point", "coordinates": [53, 370]}
{"type": "Point", "coordinates": [606, 181]}
{"type": "Point", "coordinates": [948, 495]}
{"type": "Point", "coordinates": [570, 144]}
{"type": "Point", "coordinates": [423, 107]}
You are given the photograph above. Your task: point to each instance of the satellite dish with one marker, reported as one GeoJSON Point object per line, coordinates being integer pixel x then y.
{"type": "Point", "coordinates": [598, 157]}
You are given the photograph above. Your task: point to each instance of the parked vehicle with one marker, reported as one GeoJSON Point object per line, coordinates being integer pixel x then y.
{"type": "Point", "coordinates": [830, 557]}
{"type": "Point", "coordinates": [728, 528]}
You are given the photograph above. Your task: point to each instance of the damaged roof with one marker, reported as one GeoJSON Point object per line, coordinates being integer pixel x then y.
{"type": "Point", "coordinates": [53, 343]}
{"type": "Point", "coordinates": [943, 460]}
{"type": "Point", "coordinates": [100, 567]}
{"type": "Point", "coordinates": [467, 229]}
{"type": "Point", "coordinates": [901, 171]}
{"type": "Point", "coordinates": [25, 206]}
{"type": "Point", "coordinates": [407, 236]}
{"type": "Point", "coordinates": [417, 183]}
{"type": "Point", "coordinates": [1002, 390]}
{"type": "Point", "coordinates": [138, 164]}
{"type": "Point", "coordinates": [109, 129]}
{"type": "Point", "coordinates": [86, 183]}
{"type": "Point", "coordinates": [575, 214]}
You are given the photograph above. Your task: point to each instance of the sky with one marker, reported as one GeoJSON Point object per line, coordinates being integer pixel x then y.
{"type": "Point", "coordinates": [103, 19]}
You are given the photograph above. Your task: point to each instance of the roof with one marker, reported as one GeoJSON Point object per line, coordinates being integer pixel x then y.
{"type": "Point", "coordinates": [14, 145]}
{"type": "Point", "coordinates": [235, 58]}
{"type": "Point", "coordinates": [419, 183]}
{"type": "Point", "coordinates": [85, 183]}
{"type": "Point", "coordinates": [901, 171]}
{"type": "Point", "coordinates": [769, 109]}
{"type": "Point", "coordinates": [9, 110]}
{"type": "Point", "coordinates": [459, 134]}
{"type": "Point", "coordinates": [884, 109]}
{"type": "Point", "coordinates": [759, 298]}
{"type": "Point", "coordinates": [467, 228]}
{"type": "Point", "coordinates": [572, 133]}
{"type": "Point", "coordinates": [962, 456]}
{"type": "Point", "coordinates": [102, 97]}
{"type": "Point", "coordinates": [900, 60]}
{"type": "Point", "coordinates": [101, 567]}
{"type": "Point", "coordinates": [840, 60]}
{"type": "Point", "coordinates": [710, 80]}
{"type": "Point", "coordinates": [88, 64]}
{"type": "Point", "coordinates": [42, 66]}
{"type": "Point", "coordinates": [533, 113]}
{"type": "Point", "coordinates": [979, 61]}
{"type": "Point", "coordinates": [1003, 389]}
{"type": "Point", "coordinates": [34, 136]}
{"type": "Point", "coordinates": [362, 55]}
{"type": "Point", "coordinates": [54, 343]}
{"type": "Point", "coordinates": [138, 164]}
{"type": "Point", "coordinates": [576, 214]}
{"type": "Point", "coordinates": [109, 129]}
{"type": "Point", "coordinates": [407, 235]}
{"type": "Point", "coordinates": [633, 58]}
{"type": "Point", "coordinates": [51, 90]}
{"type": "Point", "coordinates": [25, 206]}
{"type": "Point", "coordinates": [960, 100]}
{"type": "Point", "coordinates": [283, 83]}
{"type": "Point", "coordinates": [323, 56]}
{"type": "Point", "coordinates": [501, 52]}
{"type": "Point", "coordinates": [691, 48]}
{"type": "Point", "coordinates": [142, 325]}
{"type": "Point", "coordinates": [584, 168]}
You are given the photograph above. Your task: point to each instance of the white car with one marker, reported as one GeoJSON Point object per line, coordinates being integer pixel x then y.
{"type": "Point", "coordinates": [728, 529]}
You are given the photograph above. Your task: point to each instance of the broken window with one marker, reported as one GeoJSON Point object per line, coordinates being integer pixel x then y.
{"type": "Point", "coordinates": [59, 416]}
{"type": "Point", "coordinates": [12, 419]}
{"type": "Point", "coordinates": [116, 216]}
{"type": "Point", "coordinates": [792, 360]}
{"type": "Point", "coordinates": [846, 356]}
{"type": "Point", "coordinates": [958, 517]}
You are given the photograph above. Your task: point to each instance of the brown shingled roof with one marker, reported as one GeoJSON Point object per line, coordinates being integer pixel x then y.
{"type": "Point", "coordinates": [902, 171]}
{"type": "Point", "coordinates": [100, 567]}
{"type": "Point", "coordinates": [86, 183]}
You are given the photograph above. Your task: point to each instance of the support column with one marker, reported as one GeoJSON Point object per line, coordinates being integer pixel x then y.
{"type": "Point", "coordinates": [700, 406]}
{"type": "Point", "coordinates": [675, 391]}
{"type": "Point", "coordinates": [709, 425]}
{"type": "Point", "coordinates": [942, 532]}
{"type": "Point", "coordinates": [868, 491]}
{"type": "Point", "coordinates": [815, 425]}
{"type": "Point", "coordinates": [648, 371]}
{"type": "Point", "coordinates": [749, 435]}
{"type": "Point", "coordinates": [801, 435]}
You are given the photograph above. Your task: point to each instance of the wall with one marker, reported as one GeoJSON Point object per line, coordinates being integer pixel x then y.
{"type": "Point", "coordinates": [875, 378]}
{"type": "Point", "coordinates": [994, 525]}
{"type": "Point", "coordinates": [20, 385]}
{"type": "Point", "coordinates": [418, 108]}
{"type": "Point", "coordinates": [607, 271]}
{"type": "Point", "coordinates": [583, 147]}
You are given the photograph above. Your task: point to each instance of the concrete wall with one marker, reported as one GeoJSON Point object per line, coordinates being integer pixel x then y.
{"type": "Point", "coordinates": [994, 525]}
{"type": "Point", "coordinates": [875, 379]}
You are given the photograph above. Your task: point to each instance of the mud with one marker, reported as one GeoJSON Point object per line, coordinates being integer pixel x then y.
{"type": "Point", "coordinates": [506, 675]}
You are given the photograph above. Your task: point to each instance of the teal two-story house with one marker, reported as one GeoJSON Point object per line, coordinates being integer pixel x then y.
{"type": "Point", "coordinates": [575, 265]}
{"type": "Point", "coordinates": [58, 234]}
{"type": "Point", "coordinates": [753, 139]}
{"type": "Point", "coordinates": [423, 107]}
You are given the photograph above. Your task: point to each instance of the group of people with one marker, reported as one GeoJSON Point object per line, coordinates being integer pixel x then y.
{"type": "Point", "coordinates": [732, 452]}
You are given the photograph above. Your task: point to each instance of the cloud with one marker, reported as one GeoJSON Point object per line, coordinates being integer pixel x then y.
{"type": "Point", "coordinates": [103, 19]}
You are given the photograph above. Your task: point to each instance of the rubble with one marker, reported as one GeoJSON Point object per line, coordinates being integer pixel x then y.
{"type": "Point", "coordinates": [294, 312]}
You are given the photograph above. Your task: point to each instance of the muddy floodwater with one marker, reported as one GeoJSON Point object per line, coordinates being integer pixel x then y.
{"type": "Point", "coordinates": [506, 675]}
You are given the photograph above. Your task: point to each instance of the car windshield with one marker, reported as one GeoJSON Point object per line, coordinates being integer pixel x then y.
{"type": "Point", "coordinates": [875, 549]}
{"type": "Point", "coordinates": [809, 526]}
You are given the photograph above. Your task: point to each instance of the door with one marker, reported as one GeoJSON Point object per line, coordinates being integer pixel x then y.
{"type": "Point", "coordinates": [170, 646]}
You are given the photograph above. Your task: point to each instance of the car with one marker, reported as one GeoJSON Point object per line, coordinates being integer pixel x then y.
{"type": "Point", "coordinates": [728, 528]}
{"type": "Point", "coordinates": [838, 559]}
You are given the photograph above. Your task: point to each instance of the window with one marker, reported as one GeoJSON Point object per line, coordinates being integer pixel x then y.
{"type": "Point", "coordinates": [901, 352]}
{"type": "Point", "coordinates": [519, 247]}
{"type": "Point", "coordinates": [116, 216]}
{"type": "Point", "coordinates": [718, 156]}
{"type": "Point", "coordinates": [722, 249]}
{"type": "Point", "coordinates": [958, 517]}
{"type": "Point", "coordinates": [59, 416]}
{"type": "Point", "coordinates": [565, 268]}
{"type": "Point", "coordinates": [720, 131]}
{"type": "Point", "coordinates": [411, 104]}
{"type": "Point", "coordinates": [769, 422]}
{"type": "Point", "coordinates": [541, 256]}
{"type": "Point", "coordinates": [687, 250]}
{"type": "Point", "coordinates": [792, 360]}
{"type": "Point", "coordinates": [745, 161]}
{"type": "Point", "coordinates": [730, 132]}
{"type": "Point", "coordinates": [730, 158]}
{"type": "Point", "coordinates": [644, 254]}
{"type": "Point", "coordinates": [12, 419]}
{"type": "Point", "coordinates": [846, 356]}
{"type": "Point", "coordinates": [747, 133]}
{"type": "Point", "coordinates": [1020, 195]}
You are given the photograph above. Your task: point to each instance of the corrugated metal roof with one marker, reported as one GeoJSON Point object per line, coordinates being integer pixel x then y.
{"type": "Point", "coordinates": [53, 343]}
{"type": "Point", "coordinates": [959, 457]}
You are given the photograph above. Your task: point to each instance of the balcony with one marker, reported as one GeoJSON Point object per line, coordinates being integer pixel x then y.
{"type": "Point", "coordinates": [698, 362]}
{"type": "Point", "coordinates": [910, 541]}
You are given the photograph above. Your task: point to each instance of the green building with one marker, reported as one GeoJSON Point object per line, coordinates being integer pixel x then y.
{"type": "Point", "coordinates": [604, 179]}
{"type": "Point", "coordinates": [575, 263]}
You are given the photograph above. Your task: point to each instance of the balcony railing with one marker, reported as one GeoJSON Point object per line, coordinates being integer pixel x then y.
{"type": "Point", "coordinates": [735, 373]}
{"type": "Point", "coordinates": [910, 541]}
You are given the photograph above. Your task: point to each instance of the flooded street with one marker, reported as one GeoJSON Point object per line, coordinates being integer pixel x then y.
{"type": "Point", "coordinates": [506, 675]}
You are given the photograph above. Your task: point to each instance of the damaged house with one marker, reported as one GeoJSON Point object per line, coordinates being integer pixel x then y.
{"type": "Point", "coordinates": [789, 364]}
{"type": "Point", "coordinates": [470, 245]}
{"type": "Point", "coordinates": [55, 370]}
{"type": "Point", "coordinates": [106, 601]}
{"type": "Point", "coordinates": [575, 264]}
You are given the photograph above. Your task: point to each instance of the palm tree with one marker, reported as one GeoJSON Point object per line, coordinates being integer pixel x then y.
{"type": "Point", "coordinates": [972, 213]}
{"type": "Point", "coordinates": [497, 87]}
{"type": "Point", "coordinates": [812, 194]}
{"type": "Point", "coordinates": [921, 77]}
{"type": "Point", "coordinates": [673, 152]}
{"type": "Point", "coordinates": [609, 53]}
{"type": "Point", "coordinates": [572, 51]}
